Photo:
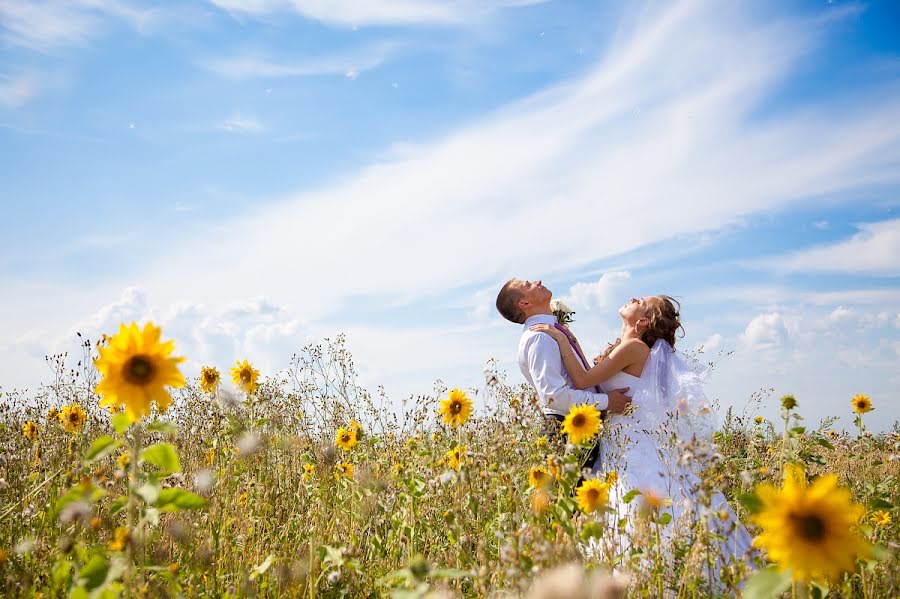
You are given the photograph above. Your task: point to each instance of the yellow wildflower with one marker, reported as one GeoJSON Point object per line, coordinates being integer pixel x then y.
{"type": "Point", "coordinates": [120, 539]}
{"type": "Point", "coordinates": [592, 495]}
{"type": "Point", "coordinates": [861, 404]}
{"type": "Point", "coordinates": [582, 423]}
{"type": "Point", "coordinates": [346, 468]}
{"type": "Point", "coordinates": [245, 376]}
{"type": "Point", "coordinates": [456, 409]}
{"type": "Point", "coordinates": [136, 368]}
{"type": "Point", "coordinates": [346, 438]}
{"type": "Point", "coordinates": [538, 477]}
{"type": "Point", "coordinates": [209, 379]}
{"type": "Point", "coordinates": [72, 417]}
{"type": "Point", "coordinates": [810, 529]}
{"type": "Point", "coordinates": [456, 457]}
{"type": "Point", "coordinates": [30, 430]}
{"type": "Point", "coordinates": [309, 470]}
{"type": "Point", "coordinates": [881, 518]}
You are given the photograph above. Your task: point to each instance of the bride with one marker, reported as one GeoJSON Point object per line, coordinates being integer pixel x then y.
{"type": "Point", "coordinates": [659, 448]}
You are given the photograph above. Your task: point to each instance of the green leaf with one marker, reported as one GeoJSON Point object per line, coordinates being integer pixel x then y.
{"type": "Point", "coordinates": [101, 448]}
{"type": "Point", "coordinates": [93, 574]}
{"type": "Point", "coordinates": [171, 500]}
{"type": "Point", "coordinates": [766, 584]}
{"type": "Point", "coordinates": [162, 426]}
{"type": "Point", "coordinates": [117, 504]}
{"type": "Point", "coordinates": [825, 442]}
{"type": "Point", "coordinates": [880, 504]}
{"type": "Point", "coordinates": [121, 421]}
{"type": "Point", "coordinates": [164, 456]}
{"type": "Point", "coordinates": [592, 530]}
{"type": "Point", "coordinates": [751, 502]}
{"type": "Point", "coordinates": [630, 495]}
{"type": "Point", "coordinates": [665, 518]}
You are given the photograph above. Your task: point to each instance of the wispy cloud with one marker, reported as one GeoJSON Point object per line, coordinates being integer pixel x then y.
{"type": "Point", "coordinates": [695, 159]}
{"type": "Point", "coordinates": [875, 250]}
{"type": "Point", "coordinates": [349, 13]}
{"type": "Point", "coordinates": [48, 25]}
{"type": "Point", "coordinates": [18, 90]}
{"type": "Point", "coordinates": [348, 64]}
{"type": "Point", "coordinates": [241, 123]}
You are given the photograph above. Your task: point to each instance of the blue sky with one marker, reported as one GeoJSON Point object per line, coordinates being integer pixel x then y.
{"type": "Point", "coordinates": [259, 175]}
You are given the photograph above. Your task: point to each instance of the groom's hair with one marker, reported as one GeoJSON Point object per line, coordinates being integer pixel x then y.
{"type": "Point", "coordinates": [508, 303]}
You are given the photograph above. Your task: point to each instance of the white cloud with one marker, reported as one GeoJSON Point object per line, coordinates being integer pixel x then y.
{"type": "Point", "coordinates": [353, 13]}
{"type": "Point", "coordinates": [51, 24]}
{"type": "Point", "coordinates": [240, 123]}
{"type": "Point", "coordinates": [875, 250]}
{"type": "Point", "coordinates": [606, 292]}
{"type": "Point", "coordinates": [766, 333]}
{"type": "Point", "coordinates": [252, 66]}
{"type": "Point", "coordinates": [712, 343]}
{"type": "Point", "coordinates": [18, 90]}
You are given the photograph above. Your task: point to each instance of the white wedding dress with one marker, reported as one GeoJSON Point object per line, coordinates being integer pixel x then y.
{"type": "Point", "coordinates": [659, 448]}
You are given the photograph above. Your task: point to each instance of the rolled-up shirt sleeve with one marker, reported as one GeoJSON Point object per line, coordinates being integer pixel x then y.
{"type": "Point", "coordinates": [547, 374]}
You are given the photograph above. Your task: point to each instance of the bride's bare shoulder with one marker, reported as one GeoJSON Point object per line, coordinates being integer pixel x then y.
{"type": "Point", "coordinates": [633, 347]}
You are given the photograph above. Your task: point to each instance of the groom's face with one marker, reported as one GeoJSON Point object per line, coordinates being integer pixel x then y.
{"type": "Point", "coordinates": [533, 293]}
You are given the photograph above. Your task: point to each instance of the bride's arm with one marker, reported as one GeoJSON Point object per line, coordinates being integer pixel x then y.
{"type": "Point", "coordinates": [624, 356]}
{"type": "Point", "coordinates": [620, 359]}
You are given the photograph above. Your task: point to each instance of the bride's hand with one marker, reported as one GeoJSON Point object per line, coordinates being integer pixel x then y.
{"type": "Point", "coordinates": [550, 330]}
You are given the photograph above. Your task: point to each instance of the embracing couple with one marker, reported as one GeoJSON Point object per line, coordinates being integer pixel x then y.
{"type": "Point", "coordinates": [658, 425]}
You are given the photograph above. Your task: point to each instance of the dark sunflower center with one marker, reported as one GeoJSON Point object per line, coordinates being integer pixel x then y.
{"type": "Point", "coordinates": [345, 438]}
{"type": "Point", "coordinates": [578, 420]}
{"type": "Point", "coordinates": [211, 377]}
{"type": "Point", "coordinates": [809, 526]}
{"type": "Point", "coordinates": [139, 370]}
{"type": "Point", "coordinates": [245, 376]}
{"type": "Point", "coordinates": [593, 495]}
{"type": "Point", "coordinates": [455, 407]}
{"type": "Point", "coordinates": [74, 417]}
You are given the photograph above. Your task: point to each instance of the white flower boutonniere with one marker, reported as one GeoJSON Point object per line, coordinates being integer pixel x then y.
{"type": "Point", "coordinates": [564, 314]}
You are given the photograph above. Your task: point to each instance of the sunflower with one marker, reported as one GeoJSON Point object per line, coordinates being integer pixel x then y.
{"type": "Point", "coordinates": [456, 409]}
{"type": "Point", "coordinates": [120, 539]}
{"type": "Point", "coordinates": [309, 470]}
{"type": "Point", "coordinates": [611, 477]}
{"type": "Point", "coordinates": [809, 529]}
{"type": "Point", "coordinates": [209, 379]}
{"type": "Point", "coordinates": [592, 495]}
{"type": "Point", "coordinates": [456, 457]}
{"type": "Point", "coordinates": [759, 420]}
{"type": "Point", "coordinates": [538, 477]}
{"type": "Point", "coordinates": [72, 417]}
{"type": "Point", "coordinates": [30, 430]}
{"type": "Point", "coordinates": [881, 518]}
{"type": "Point", "coordinates": [123, 460]}
{"type": "Point", "coordinates": [136, 368]}
{"type": "Point", "coordinates": [245, 376]}
{"type": "Point", "coordinates": [346, 438]}
{"type": "Point", "coordinates": [788, 402]}
{"type": "Point", "coordinates": [582, 423]}
{"type": "Point", "coordinates": [861, 404]}
{"type": "Point", "coordinates": [345, 468]}
{"type": "Point", "coordinates": [52, 414]}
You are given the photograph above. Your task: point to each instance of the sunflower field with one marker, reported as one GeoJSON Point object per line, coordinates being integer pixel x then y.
{"type": "Point", "coordinates": [122, 478]}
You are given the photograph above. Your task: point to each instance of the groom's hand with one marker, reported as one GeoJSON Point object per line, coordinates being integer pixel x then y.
{"type": "Point", "coordinates": [618, 401]}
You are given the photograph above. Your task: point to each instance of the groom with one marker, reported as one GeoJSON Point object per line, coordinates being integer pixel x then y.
{"type": "Point", "coordinates": [528, 303]}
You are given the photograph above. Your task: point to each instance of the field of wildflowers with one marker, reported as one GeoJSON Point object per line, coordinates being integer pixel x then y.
{"type": "Point", "coordinates": [121, 478]}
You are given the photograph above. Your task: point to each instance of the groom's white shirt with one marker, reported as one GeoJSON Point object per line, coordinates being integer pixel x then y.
{"type": "Point", "coordinates": [542, 366]}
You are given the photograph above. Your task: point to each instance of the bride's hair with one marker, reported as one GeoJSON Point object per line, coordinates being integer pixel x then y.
{"type": "Point", "coordinates": [665, 320]}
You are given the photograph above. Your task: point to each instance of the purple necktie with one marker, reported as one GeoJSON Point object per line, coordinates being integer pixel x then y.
{"type": "Point", "coordinates": [577, 349]}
